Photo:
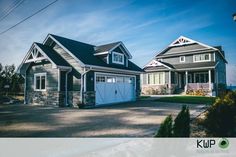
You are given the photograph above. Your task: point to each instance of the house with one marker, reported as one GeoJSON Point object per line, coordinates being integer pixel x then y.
{"type": "Point", "coordinates": [66, 72]}
{"type": "Point", "coordinates": [185, 66]}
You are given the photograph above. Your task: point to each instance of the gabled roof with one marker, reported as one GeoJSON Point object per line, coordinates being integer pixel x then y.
{"type": "Point", "coordinates": [186, 45]}
{"type": "Point", "coordinates": [85, 53]}
{"type": "Point", "coordinates": [106, 47]}
{"type": "Point", "coordinates": [53, 55]}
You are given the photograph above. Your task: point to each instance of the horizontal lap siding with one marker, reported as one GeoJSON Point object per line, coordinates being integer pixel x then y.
{"type": "Point", "coordinates": [68, 58]}
{"type": "Point", "coordinates": [51, 80]}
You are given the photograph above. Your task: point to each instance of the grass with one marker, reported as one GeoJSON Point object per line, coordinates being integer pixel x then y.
{"type": "Point", "coordinates": [188, 99]}
{"type": "Point", "coordinates": [143, 97]}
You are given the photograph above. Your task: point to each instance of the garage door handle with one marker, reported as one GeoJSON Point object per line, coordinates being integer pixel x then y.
{"type": "Point", "coordinates": [115, 91]}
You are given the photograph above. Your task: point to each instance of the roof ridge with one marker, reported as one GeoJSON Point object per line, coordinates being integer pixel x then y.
{"type": "Point", "coordinates": [72, 40]}
{"type": "Point", "coordinates": [109, 43]}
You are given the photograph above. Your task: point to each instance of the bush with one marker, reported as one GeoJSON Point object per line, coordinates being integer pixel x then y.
{"type": "Point", "coordinates": [181, 126]}
{"type": "Point", "coordinates": [221, 117]}
{"type": "Point", "coordinates": [165, 128]}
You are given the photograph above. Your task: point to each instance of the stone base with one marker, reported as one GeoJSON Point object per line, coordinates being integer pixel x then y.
{"type": "Point", "coordinates": [43, 98]}
{"type": "Point", "coordinates": [54, 98]}
{"type": "Point", "coordinates": [158, 89]}
{"type": "Point", "coordinates": [88, 100]}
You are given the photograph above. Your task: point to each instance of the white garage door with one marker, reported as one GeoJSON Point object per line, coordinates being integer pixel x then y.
{"type": "Point", "coordinates": [114, 88]}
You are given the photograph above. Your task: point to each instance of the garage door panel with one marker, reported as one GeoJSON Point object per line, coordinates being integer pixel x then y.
{"type": "Point", "coordinates": [113, 89]}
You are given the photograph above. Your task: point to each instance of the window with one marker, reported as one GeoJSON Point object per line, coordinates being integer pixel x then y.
{"type": "Point", "coordinates": [201, 57]}
{"type": "Point", "coordinates": [201, 77]}
{"type": "Point", "coordinates": [156, 78]}
{"type": "Point", "coordinates": [182, 58]}
{"type": "Point", "coordinates": [40, 82]}
{"type": "Point", "coordinates": [100, 79]}
{"type": "Point", "coordinates": [117, 58]}
{"type": "Point", "coordinates": [111, 79]}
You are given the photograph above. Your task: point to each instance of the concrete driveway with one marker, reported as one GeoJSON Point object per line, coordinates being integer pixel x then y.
{"type": "Point", "coordinates": [135, 119]}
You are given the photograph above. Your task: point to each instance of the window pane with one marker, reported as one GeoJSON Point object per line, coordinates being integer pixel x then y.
{"type": "Point", "coordinates": [161, 81]}
{"type": "Point", "coordinates": [100, 79]}
{"type": "Point", "coordinates": [207, 57]}
{"type": "Point", "coordinates": [119, 79]}
{"type": "Point", "coordinates": [37, 82]}
{"type": "Point", "coordinates": [156, 78]}
{"type": "Point", "coordinates": [111, 79]}
{"type": "Point", "coordinates": [42, 82]}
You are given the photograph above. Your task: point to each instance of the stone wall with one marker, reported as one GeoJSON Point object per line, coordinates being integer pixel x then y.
{"type": "Point", "coordinates": [74, 98]}
{"type": "Point", "coordinates": [43, 97]}
{"type": "Point", "coordinates": [158, 89]}
{"type": "Point", "coordinates": [88, 99]}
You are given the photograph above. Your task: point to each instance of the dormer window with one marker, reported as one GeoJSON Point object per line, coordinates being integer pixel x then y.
{"type": "Point", "coordinates": [182, 58]}
{"type": "Point", "coordinates": [117, 58]}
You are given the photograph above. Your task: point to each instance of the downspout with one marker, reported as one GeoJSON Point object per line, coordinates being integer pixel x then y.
{"type": "Point", "coordinates": [66, 92]}
{"type": "Point", "coordinates": [25, 89]}
{"type": "Point", "coordinates": [82, 83]}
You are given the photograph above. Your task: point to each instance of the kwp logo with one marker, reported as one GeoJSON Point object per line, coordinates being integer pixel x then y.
{"type": "Point", "coordinates": [210, 143]}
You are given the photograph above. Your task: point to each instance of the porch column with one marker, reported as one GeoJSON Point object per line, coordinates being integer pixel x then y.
{"type": "Point", "coordinates": [209, 75]}
{"type": "Point", "coordinates": [169, 82]}
{"type": "Point", "coordinates": [186, 80]}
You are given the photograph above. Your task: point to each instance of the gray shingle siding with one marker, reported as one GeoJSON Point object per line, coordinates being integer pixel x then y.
{"type": "Point", "coordinates": [188, 59]}
{"type": "Point", "coordinates": [220, 69]}
{"type": "Point", "coordinates": [178, 49]}
{"type": "Point", "coordinates": [52, 76]}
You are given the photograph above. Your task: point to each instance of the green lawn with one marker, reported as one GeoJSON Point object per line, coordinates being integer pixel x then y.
{"type": "Point", "coordinates": [188, 99]}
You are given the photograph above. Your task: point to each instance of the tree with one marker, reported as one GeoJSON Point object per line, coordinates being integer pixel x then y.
{"type": "Point", "coordinates": [221, 117]}
{"type": "Point", "coordinates": [181, 126]}
{"type": "Point", "coordinates": [165, 128]}
{"type": "Point", "coordinates": [8, 76]}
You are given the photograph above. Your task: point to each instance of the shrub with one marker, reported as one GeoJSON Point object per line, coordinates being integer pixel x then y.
{"type": "Point", "coordinates": [221, 117]}
{"type": "Point", "coordinates": [165, 128]}
{"type": "Point", "coordinates": [181, 126]}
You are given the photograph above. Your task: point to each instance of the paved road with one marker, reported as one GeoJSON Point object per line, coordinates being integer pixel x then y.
{"type": "Point", "coordinates": [135, 119]}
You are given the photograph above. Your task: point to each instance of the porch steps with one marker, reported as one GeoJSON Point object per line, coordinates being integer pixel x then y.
{"type": "Point", "coordinates": [180, 91]}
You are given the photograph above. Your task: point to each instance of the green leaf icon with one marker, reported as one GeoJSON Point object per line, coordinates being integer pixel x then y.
{"type": "Point", "coordinates": [223, 143]}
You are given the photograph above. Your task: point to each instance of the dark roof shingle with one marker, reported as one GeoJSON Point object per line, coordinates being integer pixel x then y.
{"type": "Point", "coordinates": [53, 55]}
{"type": "Point", "coordinates": [85, 53]}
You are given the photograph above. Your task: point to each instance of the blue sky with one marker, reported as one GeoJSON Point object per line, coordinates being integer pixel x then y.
{"type": "Point", "coordinates": [145, 27]}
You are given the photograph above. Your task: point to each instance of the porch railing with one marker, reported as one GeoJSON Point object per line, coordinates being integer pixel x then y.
{"type": "Point", "coordinates": [200, 86]}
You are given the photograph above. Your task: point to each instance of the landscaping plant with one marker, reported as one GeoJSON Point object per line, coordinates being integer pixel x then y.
{"type": "Point", "coordinates": [181, 126]}
{"type": "Point", "coordinates": [166, 128]}
{"type": "Point", "coordinates": [221, 117]}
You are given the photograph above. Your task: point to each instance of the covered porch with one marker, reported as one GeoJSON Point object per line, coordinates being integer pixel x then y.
{"type": "Point", "coordinates": [191, 80]}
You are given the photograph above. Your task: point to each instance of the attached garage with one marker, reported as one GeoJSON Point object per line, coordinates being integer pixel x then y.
{"type": "Point", "coordinates": [114, 88]}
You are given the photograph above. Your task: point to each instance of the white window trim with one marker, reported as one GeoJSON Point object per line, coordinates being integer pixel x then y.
{"type": "Point", "coordinates": [113, 61]}
{"type": "Point", "coordinates": [40, 74]}
{"type": "Point", "coordinates": [163, 77]}
{"type": "Point", "coordinates": [202, 60]}
{"type": "Point", "coordinates": [181, 60]}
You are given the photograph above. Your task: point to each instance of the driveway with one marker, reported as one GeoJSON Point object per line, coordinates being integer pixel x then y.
{"type": "Point", "coordinates": [135, 119]}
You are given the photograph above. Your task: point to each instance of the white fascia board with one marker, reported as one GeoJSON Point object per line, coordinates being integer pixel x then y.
{"type": "Point", "coordinates": [190, 41]}
{"type": "Point", "coordinates": [44, 54]}
{"type": "Point", "coordinates": [80, 62]}
{"type": "Point", "coordinates": [158, 63]}
{"type": "Point", "coordinates": [63, 67]}
{"type": "Point", "coordinates": [100, 68]}
{"type": "Point", "coordinates": [101, 53]}
{"type": "Point", "coordinates": [127, 53]}
{"type": "Point", "coordinates": [25, 58]}
{"type": "Point", "coordinates": [212, 67]}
